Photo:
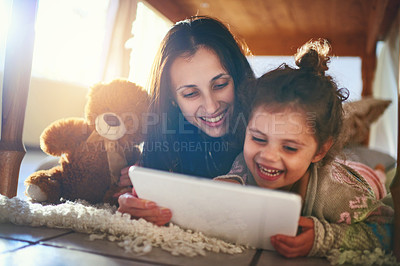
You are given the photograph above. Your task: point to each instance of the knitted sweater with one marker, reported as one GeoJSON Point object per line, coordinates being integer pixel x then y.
{"type": "Point", "coordinates": [346, 213]}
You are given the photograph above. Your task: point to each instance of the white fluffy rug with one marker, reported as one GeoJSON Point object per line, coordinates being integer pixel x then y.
{"type": "Point", "coordinates": [139, 236]}
{"type": "Point", "coordinates": [103, 221]}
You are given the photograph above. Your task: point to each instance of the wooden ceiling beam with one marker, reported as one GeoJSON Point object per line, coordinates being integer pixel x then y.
{"type": "Point", "coordinates": [277, 45]}
{"type": "Point", "coordinates": [370, 22]}
{"type": "Point", "coordinates": [391, 12]}
{"type": "Point", "coordinates": [376, 17]}
{"type": "Point", "coordinates": [382, 15]}
{"type": "Point", "coordinates": [169, 9]}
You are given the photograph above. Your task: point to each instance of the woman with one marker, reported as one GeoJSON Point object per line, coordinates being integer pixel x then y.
{"type": "Point", "coordinates": [197, 117]}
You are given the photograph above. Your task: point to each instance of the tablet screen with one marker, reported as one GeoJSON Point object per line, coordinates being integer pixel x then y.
{"type": "Point", "coordinates": [232, 212]}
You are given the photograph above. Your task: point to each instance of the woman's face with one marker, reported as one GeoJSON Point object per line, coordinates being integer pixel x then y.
{"type": "Point", "coordinates": [204, 91]}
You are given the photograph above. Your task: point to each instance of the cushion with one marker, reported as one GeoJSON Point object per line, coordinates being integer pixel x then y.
{"type": "Point", "coordinates": [369, 157]}
{"type": "Point", "coordinates": [358, 117]}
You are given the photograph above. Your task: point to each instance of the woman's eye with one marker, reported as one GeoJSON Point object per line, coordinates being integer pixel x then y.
{"type": "Point", "coordinates": [258, 139]}
{"type": "Point", "coordinates": [189, 94]}
{"type": "Point", "coordinates": [290, 149]}
{"type": "Point", "coordinates": [220, 86]}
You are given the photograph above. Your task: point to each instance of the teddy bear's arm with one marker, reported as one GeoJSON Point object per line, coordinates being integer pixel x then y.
{"type": "Point", "coordinates": [63, 136]}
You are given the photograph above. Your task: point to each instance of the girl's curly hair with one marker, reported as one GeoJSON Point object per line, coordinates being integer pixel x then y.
{"type": "Point", "coordinates": [308, 89]}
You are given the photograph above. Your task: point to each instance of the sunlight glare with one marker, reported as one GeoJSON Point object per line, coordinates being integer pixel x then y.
{"type": "Point", "coordinates": [148, 31]}
{"type": "Point", "coordinates": [69, 40]}
{"type": "Point", "coordinates": [5, 11]}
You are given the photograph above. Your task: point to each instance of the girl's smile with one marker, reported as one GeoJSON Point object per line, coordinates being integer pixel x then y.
{"type": "Point", "coordinates": [269, 174]}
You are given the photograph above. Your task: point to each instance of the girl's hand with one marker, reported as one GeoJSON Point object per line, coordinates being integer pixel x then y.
{"type": "Point", "coordinates": [296, 246]}
{"type": "Point", "coordinates": [124, 180]}
{"type": "Point", "coordinates": [141, 208]}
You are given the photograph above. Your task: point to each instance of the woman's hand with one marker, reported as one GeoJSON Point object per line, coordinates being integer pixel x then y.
{"type": "Point", "coordinates": [141, 208]}
{"type": "Point", "coordinates": [296, 246]}
{"type": "Point", "coordinates": [124, 180]}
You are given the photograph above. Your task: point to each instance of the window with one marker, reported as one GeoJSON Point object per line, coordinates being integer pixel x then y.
{"type": "Point", "coordinates": [69, 42]}
{"type": "Point", "coordinates": [71, 37]}
{"type": "Point", "coordinates": [346, 71]}
{"type": "Point", "coordinates": [148, 31]}
{"type": "Point", "coordinates": [5, 11]}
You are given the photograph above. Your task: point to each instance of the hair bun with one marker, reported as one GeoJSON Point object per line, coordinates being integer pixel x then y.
{"type": "Point", "coordinates": [313, 56]}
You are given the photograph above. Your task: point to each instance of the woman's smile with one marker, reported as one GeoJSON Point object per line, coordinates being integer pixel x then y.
{"type": "Point", "coordinates": [215, 120]}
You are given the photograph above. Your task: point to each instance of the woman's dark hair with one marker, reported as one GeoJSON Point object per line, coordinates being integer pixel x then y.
{"type": "Point", "coordinates": [307, 88]}
{"type": "Point", "coordinates": [184, 39]}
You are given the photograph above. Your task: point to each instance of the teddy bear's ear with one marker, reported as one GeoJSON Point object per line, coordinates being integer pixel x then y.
{"type": "Point", "coordinates": [94, 96]}
{"type": "Point", "coordinates": [64, 136]}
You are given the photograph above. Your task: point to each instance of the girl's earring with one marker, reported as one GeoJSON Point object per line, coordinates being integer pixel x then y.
{"type": "Point", "coordinates": [174, 104]}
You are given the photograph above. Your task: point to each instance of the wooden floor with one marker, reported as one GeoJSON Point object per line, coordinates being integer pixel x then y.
{"type": "Point", "coordinates": [22, 245]}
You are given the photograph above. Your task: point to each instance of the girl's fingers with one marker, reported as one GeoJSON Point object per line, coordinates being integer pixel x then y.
{"type": "Point", "coordinates": [304, 238]}
{"type": "Point", "coordinates": [299, 245]}
{"type": "Point", "coordinates": [282, 248]}
{"type": "Point", "coordinates": [291, 247]}
{"type": "Point", "coordinates": [306, 222]}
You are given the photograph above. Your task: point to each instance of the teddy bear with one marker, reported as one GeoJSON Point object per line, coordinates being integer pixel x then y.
{"type": "Point", "coordinates": [94, 149]}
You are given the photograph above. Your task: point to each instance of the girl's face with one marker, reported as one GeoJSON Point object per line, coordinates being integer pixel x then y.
{"type": "Point", "coordinates": [204, 91]}
{"type": "Point", "coordinates": [279, 147]}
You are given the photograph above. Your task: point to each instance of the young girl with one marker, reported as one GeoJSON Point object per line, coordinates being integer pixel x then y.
{"type": "Point", "coordinates": [290, 142]}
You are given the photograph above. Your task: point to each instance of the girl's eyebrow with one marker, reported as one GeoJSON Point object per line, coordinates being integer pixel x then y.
{"type": "Point", "coordinates": [291, 141]}
{"type": "Point", "coordinates": [294, 142]}
{"type": "Point", "coordinates": [255, 130]}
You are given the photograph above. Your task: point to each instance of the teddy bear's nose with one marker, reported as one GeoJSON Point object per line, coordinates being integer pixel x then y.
{"type": "Point", "coordinates": [111, 120]}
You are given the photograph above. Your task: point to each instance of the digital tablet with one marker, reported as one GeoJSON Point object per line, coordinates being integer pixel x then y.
{"type": "Point", "coordinates": [232, 212]}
